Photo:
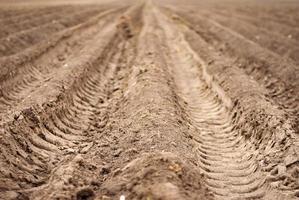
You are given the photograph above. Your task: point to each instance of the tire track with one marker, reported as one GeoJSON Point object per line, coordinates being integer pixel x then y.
{"type": "Point", "coordinates": [55, 130]}
{"type": "Point", "coordinates": [138, 103]}
{"type": "Point", "coordinates": [53, 137]}
{"type": "Point", "coordinates": [36, 74]}
{"type": "Point", "coordinates": [85, 104]}
{"type": "Point", "coordinates": [228, 160]}
{"type": "Point", "coordinates": [216, 28]}
{"type": "Point", "coordinates": [265, 67]}
{"type": "Point", "coordinates": [9, 65]}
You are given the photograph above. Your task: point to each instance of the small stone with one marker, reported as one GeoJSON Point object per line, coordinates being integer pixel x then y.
{"type": "Point", "coordinates": [21, 117]}
{"type": "Point", "coordinates": [122, 197]}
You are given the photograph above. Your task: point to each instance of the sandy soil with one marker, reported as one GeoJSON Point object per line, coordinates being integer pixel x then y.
{"type": "Point", "coordinates": [149, 100]}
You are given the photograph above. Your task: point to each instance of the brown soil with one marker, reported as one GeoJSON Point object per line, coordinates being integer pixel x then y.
{"type": "Point", "coordinates": [149, 100]}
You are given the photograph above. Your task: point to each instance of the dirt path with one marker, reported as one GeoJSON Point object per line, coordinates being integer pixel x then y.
{"type": "Point", "coordinates": [146, 101]}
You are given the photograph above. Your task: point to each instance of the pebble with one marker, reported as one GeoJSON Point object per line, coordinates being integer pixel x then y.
{"type": "Point", "coordinates": [122, 197]}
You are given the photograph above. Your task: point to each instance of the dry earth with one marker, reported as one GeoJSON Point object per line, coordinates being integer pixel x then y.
{"type": "Point", "coordinates": [149, 100]}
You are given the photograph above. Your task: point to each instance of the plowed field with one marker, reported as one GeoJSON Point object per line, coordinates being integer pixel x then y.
{"type": "Point", "coordinates": [148, 99]}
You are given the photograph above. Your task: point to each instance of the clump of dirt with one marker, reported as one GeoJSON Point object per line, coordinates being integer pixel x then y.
{"type": "Point", "coordinates": [158, 176]}
{"type": "Point", "coordinates": [125, 28]}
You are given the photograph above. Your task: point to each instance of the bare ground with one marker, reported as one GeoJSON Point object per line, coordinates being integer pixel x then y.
{"type": "Point", "coordinates": [149, 100]}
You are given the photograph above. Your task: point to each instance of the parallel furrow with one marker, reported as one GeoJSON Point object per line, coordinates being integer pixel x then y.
{"type": "Point", "coordinates": [25, 39]}
{"type": "Point", "coordinates": [266, 14]}
{"type": "Point", "coordinates": [41, 18]}
{"type": "Point", "coordinates": [25, 13]}
{"type": "Point", "coordinates": [284, 46]}
{"type": "Point", "coordinates": [40, 142]}
{"type": "Point", "coordinates": [264, 65]}
{"type": "Point", "coordinates": [227, 159]}
{"type": "Point", "coordinates": [281, 29]}
{"type": "Point", "coordinates": [55, 135]}
{"type": "Point", "coordinates": [38, 73]}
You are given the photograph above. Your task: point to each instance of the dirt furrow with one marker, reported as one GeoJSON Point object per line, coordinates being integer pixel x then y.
{"type": "Point", "coordinates": [216, 28]}
{"type": "Point", "coordinates": [290, 33]}
{"type": "Point", "coordinates": [268, 69]}
{"type": "Point", "coordinates": [242, 114]}
{"type": "Point", "coordinates": [148, 100]}
{"type": "Point", "coordinates": [133, 154]}
{"type": "Point", "coordinates": [55, 136]}
{"type": "Point", "coordinates": [40, 19]}
{"type": "Point", "coordinates": [227, 159]}
{"type": "Point", "coordinates": [273, 15]}
{"type": "Point", "coordinates": [43, 136]}
{"type": "Point", "coordinates": [26, 39]}
{"type": "Point", "coordinates": [7, 12]}
{"type": "Point", "coordinates": [263, 12]}
{"type": "Point", "coordinates": [10, 65]}
{"type": "Point", "coordinates": [80, 111]}
{"type": "Point", "coordinates": [283, 46]}
{"type": "Point", "coordinates": [21, 90]}
{"type": "Point", "coordinates": [27, 13]}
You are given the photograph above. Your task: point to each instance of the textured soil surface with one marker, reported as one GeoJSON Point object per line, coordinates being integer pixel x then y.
{"type": "Point", "coordinates": [150, 100]}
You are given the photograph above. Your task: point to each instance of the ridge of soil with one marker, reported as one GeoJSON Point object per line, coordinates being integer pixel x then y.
{"type": "Point", "coordinates": [149, 100]}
